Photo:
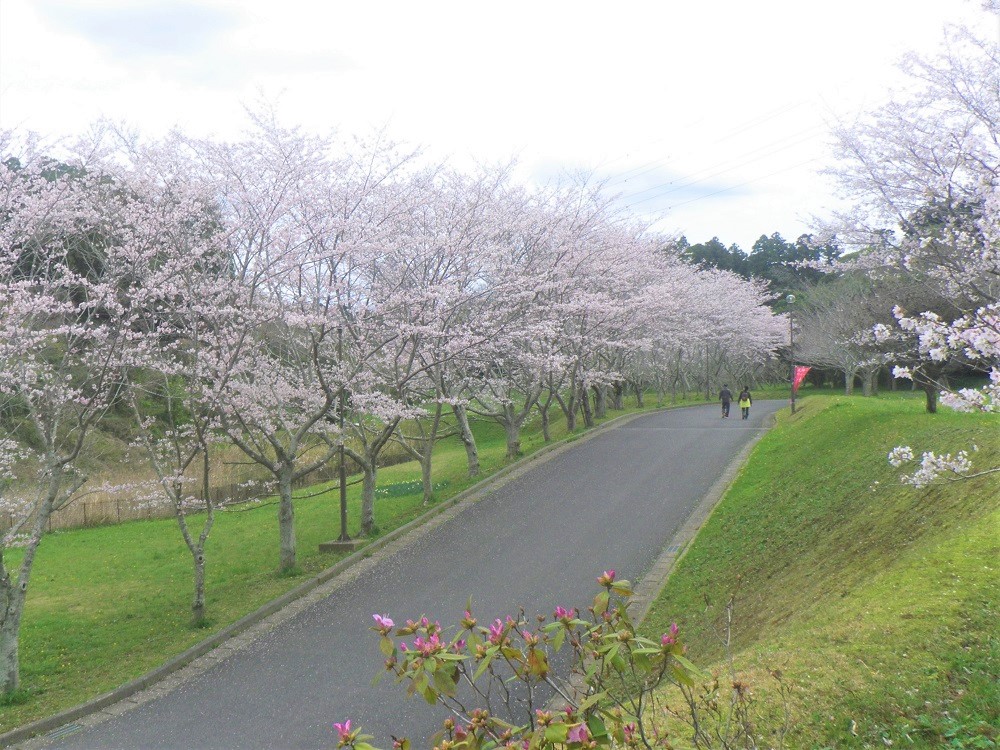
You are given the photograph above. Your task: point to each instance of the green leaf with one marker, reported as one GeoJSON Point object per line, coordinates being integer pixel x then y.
{"type": "Point", "coordinates": [420, 682]}
{"type": "Point", "coordinates": [386, 646]}
{"type": "Point", "coordinates": [538, 663]}
{"type": "Point", "coordinates": [589, 701]}
{"type": "Point", "coordinates": [444, 682]}
{"type": "Point", "coordinates": [681, 675]}
{"type": "Point", "coordinates": [483, 666]}
{"type": "Point", "coordinates": [623, 588]}
{"type": "Point", "coordinates": [689, 666]}
{"type": "Point", "coordinates": [618, 662]}
{"type": "Point", "coordinates": [556, 733]}
{"type": "Point", "coordinates": [557, 642]}
{"type": "Point", "coordinates": [513, 654]}
{"type": "Point", "coordinates": [430, 695]}
{"type": "Point", "coordinates": [596, 727]}
{"type": "Point", "coordinates": [601, 603]}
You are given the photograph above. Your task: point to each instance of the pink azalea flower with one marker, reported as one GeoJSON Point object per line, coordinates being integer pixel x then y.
{"type": "Point", "coordinates": [564, 614]}
{"type": "Point", "coordinates": [670, 638]}
{"type": "Point", "coordinates": [578, 734]}
{"type": "Point", "coordinates": [383, 621]}
{"type": "Point", "coordinates": [343, 730]}
{"type": "Point", "coordinates": [496, 632]}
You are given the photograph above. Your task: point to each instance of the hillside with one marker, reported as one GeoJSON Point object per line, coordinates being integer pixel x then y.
{"type": "Point", "coordinates": [877, 602]}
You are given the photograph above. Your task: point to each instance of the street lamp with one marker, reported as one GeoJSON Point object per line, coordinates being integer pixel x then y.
{"type": "Point", "coordinates": [344, 543]}
{"type": "Point", "coordinates": [790, 299]}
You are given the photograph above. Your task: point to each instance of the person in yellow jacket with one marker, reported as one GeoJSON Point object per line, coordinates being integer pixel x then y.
{"type": "Point", "coordinates": [745, 401]}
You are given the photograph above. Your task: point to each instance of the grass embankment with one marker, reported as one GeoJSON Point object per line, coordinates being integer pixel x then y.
{"type": "Point", "coordinates": [108, 604]}
{"type": "Point", "coordinates": [878, 602]}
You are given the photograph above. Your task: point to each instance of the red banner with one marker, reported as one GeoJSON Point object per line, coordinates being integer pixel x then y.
{"type": "Point", "coordinates": [800, 375]}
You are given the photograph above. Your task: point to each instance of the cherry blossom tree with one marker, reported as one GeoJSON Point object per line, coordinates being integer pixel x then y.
{"type": "Point", "coordinates": [276, 373]}
{"type": "Point", "coordinates": [69, 271]}
{"type": "Point", "coordinates": [191, 292]}
{"type": "Point", "coordinates": [449, 253]}
{"type": "Point", "coordinates": [923, 172]}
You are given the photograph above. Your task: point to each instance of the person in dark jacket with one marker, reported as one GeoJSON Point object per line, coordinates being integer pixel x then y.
{"type": "Point", "coordinates": [745, 400]}
{"type": "Point", "coordinates": [726, 396]}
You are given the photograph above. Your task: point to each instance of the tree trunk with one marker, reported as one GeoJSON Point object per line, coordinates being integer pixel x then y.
{"type": "Point", "coordinates": [618, 396]}
{"type": "Point", "coordinates": [849, 382]}
{"type": "Point", "coordinates": [588, 414]}
{"type": "Point", "coordinates": [368, 498]}
{"type": "Point", "coordinates": [930, 391]}
{"type": "Point", "coordinates": [867, 384]}
{"type": "Point", "coordinates": [425, 472]}
{"type": "Point", "coordinates": [639, 393]}
{"type": "Point", "coordinates": [13, 594]}
{"type": "Point", "coordinates": [286, 520]}
{"type": "Point", "coordinates": [468, 440]}
{"type": "Point", "coordinates": [512, 426]}
{"type": "Point", "coordinates": [10, 670]}
{"type": "Point", "coordinates": [198, 605]}
{"type": "Point", "coordinates": [568, 407]}
{"type": "Point", "coordinates": [600, 401]}
{"type": "Point", "coordinates": [543, 410]}
{"type": "Point", "coordinates": [708, 378]}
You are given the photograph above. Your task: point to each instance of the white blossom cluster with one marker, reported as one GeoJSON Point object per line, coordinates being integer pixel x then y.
{"type": "Point", "coordinates": [931, 465]}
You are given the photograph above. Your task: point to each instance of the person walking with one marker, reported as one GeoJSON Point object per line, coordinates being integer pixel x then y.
{"type": "Point", "coordinates": [745, 400]}
{"type": "Point", "coordinates": [726, 396]}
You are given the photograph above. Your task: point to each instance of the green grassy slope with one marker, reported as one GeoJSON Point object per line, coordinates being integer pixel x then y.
{"type": "Point", "coordinates": [878, 602]}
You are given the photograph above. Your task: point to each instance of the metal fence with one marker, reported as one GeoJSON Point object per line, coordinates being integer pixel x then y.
{"type": "Point", "coordinates": [101, 509]}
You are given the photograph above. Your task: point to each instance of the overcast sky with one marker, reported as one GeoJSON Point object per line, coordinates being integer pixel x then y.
{"type": "Point", "coordinates": [710, 117]}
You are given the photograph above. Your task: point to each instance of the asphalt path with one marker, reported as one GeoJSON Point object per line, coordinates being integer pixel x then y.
{"type": "Point", "coordinates": [613, 501]}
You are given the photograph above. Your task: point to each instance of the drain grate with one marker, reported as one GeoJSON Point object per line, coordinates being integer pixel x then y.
{"type": "Point", "coordinates": [64, 731]}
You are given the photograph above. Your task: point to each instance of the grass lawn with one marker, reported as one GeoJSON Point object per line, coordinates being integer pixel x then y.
{"type": "Point", "coordinates": [108, 604]}
{"type": "Point", "coordinates": [878, 602]}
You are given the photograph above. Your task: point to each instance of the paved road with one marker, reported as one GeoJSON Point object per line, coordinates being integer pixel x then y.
{"type": "Point", "coordinates": [612, 501]}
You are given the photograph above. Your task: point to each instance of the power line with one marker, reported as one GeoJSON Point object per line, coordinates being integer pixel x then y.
{"type": "Point", "coordinates": [654, 164]}
{"type": "Point", "coordinates": [693, 179]}
{"type": "Point", "coordinates": [733, 187]}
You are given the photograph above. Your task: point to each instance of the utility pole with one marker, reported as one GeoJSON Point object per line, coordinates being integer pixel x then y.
{"type": "Point", "coordinates": [342, 469]}
{"type": "Point", "coordinates": [790, 299]}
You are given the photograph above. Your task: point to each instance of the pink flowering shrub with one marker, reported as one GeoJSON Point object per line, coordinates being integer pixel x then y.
{"type": "Point", "coordinates": [499, 682]}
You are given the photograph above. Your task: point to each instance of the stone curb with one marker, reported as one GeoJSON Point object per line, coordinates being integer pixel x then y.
{"type": "Point", "coordinates": [476, 492]}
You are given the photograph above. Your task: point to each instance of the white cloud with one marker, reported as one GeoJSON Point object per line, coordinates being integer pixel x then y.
{"type": "Point", "coordinates": [716, 113]}
{"type": "Point", "coordinates": [129, 31]}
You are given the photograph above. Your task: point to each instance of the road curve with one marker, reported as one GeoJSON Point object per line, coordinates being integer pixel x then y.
{"type": "Point", "coordinates": [612, 501]}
